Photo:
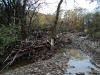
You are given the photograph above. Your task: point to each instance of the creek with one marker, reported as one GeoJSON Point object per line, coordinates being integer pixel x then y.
{"type": "Point", "coordinates": [79, 63]}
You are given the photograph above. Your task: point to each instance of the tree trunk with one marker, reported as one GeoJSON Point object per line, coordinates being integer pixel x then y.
{"type": "Point", "coordinates": [23, 29]}
{"type": "Point", "coordinates": [23, 19]}
{"type": "Point", "coordinates": [55, 24]}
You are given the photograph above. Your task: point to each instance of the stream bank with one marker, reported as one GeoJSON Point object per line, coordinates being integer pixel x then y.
{"type": "Point", "coordinates": [59, 62]}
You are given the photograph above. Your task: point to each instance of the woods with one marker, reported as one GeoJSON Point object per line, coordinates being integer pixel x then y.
{"type": "Point", "coordinates": [26, 33]}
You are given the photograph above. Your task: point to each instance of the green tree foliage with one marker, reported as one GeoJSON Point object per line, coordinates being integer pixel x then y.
{"type": "Point", "coordinates": [72, 20]}
{"type": "Point", "coordinates": [94, 30]}
{"type": "Point", "coordinates": [7, 35]}
{"type": "Point", "coordinates": [15, 12]}
{"type": "Point", "coordinates": [13, 19]}
{"type": "Point", "coordinates": [10, 14]}
{"type": "Point", "coordinates": [88, 20]}
{"type": "Point", "coordinates": [96, 19]}
{"type": "Point", "coordinates": [81, 12]}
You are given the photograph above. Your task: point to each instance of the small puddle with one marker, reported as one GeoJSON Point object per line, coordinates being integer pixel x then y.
{"type": "Point", "coordinates": [78, 63]}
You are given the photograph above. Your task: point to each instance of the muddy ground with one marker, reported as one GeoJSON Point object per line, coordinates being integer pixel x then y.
{"type": "Point", "coordinates": [58, 63]}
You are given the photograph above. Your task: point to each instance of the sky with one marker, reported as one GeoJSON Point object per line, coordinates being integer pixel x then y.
{"type": "Point", "coordinates": [51, 7]}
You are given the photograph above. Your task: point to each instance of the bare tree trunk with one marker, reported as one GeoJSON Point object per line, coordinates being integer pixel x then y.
{"type": "Point", "coordinates": [23, 19]}
{"type": "Point", "coordinates": [23, 29]}
{"type": "Point", "coordinates": [55, 24]}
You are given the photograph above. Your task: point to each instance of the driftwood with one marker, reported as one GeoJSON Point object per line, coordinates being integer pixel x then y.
{"type": "Point", "coordinates": [29, 49]}
{"type": "Point", "coordinates": [25, 49]}
{"type": "Point", "coordinates": [62, 42]}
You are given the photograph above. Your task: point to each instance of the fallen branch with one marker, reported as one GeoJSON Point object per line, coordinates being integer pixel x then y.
{"type": "Point", "coordinates": [17, 56]}
{"type": "Point", "coordinates": [4, 67]}
{"type": "Point", "coordinates": [8, 56]}
{"type": "Point", "coordinates": [14, 57]}
{"type": "Point", "coordinates": [10, 61]}
{"type": "Point", "coordinates": [25, 50]}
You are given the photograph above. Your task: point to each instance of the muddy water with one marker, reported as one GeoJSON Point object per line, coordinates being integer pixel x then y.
{"type": "Point", "coordinates": [79, 63]}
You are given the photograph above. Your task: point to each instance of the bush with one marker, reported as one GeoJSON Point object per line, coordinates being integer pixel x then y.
{"type": "Point", "coordinates": [94, 29]}
{"type": "Point", "coordinates": [46, 26]}
{"type": "Point", "coordinates": [82, 34]}
{"type": "Point", "coordinates": [97, 34]}
{"type": "Point", "coordinates": [7, 35]}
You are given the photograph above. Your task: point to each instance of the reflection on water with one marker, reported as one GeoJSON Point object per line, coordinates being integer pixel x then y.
{"type": "Point", "coordinates": [75, 54]}
{"type": "Point", "coordinates": [78, 62]}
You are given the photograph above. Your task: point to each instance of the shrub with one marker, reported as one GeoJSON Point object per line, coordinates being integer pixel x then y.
{"type": "Point", "coordinates": [82, 34]}
{"type": "Point", "coordinates": [97, 34]}
{"type": "Point", "coordinates": [94, 29]}
{"type": "Point", "coordinates": [7, 35]}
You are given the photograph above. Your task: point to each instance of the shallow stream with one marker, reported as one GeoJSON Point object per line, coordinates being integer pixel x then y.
{"type": "Point", "coordinates": [79, 63]}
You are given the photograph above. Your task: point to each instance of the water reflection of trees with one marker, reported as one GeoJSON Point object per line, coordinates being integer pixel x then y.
{"type": "Point", "coordinates": [75, 54]}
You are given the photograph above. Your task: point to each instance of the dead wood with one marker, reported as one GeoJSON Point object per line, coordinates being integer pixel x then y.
{"type": "Point", "coordinates": [22, 49]}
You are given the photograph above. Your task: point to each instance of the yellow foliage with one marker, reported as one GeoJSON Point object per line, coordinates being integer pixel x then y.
{"type": "Point", "coordinates": [86, 30]}
{"type": "Point", "coordinates": [45, 18]}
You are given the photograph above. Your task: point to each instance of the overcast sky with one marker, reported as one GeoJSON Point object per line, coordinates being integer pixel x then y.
{"type": "Point", "coordinates": [51, 8]}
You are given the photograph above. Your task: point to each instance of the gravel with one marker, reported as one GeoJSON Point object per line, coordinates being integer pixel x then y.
{"type": "Point", "coordinates": [54, 66]}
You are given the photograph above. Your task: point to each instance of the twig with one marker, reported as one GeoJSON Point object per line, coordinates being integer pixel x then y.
{"type": "Point", "coordinates": [4, 67]}
{"type": "Point", "coordinates": [14, 57]}
{"type": "Point", "coordinates": [10, 61]}
{"type": "Point", "coordinates": [8, 56]}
